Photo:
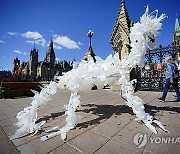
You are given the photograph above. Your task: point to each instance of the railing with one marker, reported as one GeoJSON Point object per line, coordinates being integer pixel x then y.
{"type": "Point", "coordinates": [153, 81]}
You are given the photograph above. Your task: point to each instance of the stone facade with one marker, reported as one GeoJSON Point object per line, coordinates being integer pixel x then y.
{"type": "Point", "coordinates": [43, 70]}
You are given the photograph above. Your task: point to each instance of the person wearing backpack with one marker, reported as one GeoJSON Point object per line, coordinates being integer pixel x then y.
{"type": "Point", "coordinates": [172, 75]}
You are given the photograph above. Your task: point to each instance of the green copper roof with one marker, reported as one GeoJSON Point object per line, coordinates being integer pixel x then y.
{"type": "Point", "coordinates": [177, 26]}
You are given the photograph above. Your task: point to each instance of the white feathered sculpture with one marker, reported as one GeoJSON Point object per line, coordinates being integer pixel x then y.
{"type": "Point", "coordinates": [143, 34]}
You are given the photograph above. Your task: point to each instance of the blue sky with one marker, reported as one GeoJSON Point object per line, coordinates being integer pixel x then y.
{"type": "Point", "coordinates": [67, 22]}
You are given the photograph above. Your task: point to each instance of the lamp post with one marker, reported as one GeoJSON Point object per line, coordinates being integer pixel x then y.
{"type": "Point", "coordinates": [90, 34]}
{"type": "Point", "coordinates": [90, 51]}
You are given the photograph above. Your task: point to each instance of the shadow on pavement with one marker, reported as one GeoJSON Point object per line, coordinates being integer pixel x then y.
{"type": "Point", "coordinates": [103, 112]}
{"type": "Point", "coordinates": [53, 115]}
{"type": "Point", "coordinates": [151, 109]}
{"type": "Point", "coordinates": [106, 111]}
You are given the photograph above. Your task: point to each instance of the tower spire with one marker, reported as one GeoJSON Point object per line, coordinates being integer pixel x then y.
{"type": "Point", "coordinates": [122, 20]}
{"type": "Point", "coordinates": [34, 46]}
{"type": "Point", "coordinates": [50, 55]}
{"type": "Point", "coordinates": [120, 37]}
{"type": "Point", "coordinates": [177, 26]}
{"type": "Point", "coordinates": [124, 17]}
{"type": "Point", "coordinates": [74, 58]}
{"type": "Point", "coordinates": [51, 44]}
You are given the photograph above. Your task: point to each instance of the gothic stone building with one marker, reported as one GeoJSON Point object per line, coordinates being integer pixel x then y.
{"type": "Point", "coordinates": [43, 70]}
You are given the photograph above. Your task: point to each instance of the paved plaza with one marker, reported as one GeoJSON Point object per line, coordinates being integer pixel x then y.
{"type": "Point", "coordinates": [108, 125]}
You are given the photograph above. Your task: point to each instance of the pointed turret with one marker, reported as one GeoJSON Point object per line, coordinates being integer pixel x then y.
{"type": "Point", "coordinates": [91, 53]}
{"type": "Point", "coordinates": [34, 54]}
{"type": "Point", "coordinates": [16, 64]}
{"type": "Point", "coordinates": [122, 20]}
{"type": "Point", "coordinates": [123, 17]}
{"type": "Point", "coordinates": [51, 49]}
{"type": "Point", "coordinates": [176, 38]}
{"type": "Point", "coordinates": [177, 26]}
{"type": "Point", "coordinates": [50, 55]}
{"type": "Point", "coordinates": [33, 62]}
{"type": "Point", "coordinates": [120, 37]}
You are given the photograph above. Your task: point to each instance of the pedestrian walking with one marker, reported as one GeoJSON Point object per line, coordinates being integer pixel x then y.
{"type": "Point", "coordinates": [172, 75]}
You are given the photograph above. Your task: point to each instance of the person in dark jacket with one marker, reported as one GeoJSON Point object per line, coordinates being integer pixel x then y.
{"type": "Point", "coordinates": [172, 75]}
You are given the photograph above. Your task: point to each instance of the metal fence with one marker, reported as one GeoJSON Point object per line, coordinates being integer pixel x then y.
{"type": "Point", "coordinates": [152, 76]}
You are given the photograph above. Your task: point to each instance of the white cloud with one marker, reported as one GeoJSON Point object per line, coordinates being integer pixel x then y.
{"type": "Point", "coordinates": [17, 51]}
{"type": "Point", "coordinates": [65, 42]}
{"type": "Point", "coordinates": [57, 47]}
{"type": "Point", "coordinates": [1, 41]}
{"type": "Point", "coordinates": [79, 43]}
{"type": "Point", "coordinates": [32, 35]}
{"type": "Point", "coordinates": [57, 59]}
{"type": "Point", "coordinates": [20, 52]}
{"type": "Point", "coordinates": [30, 42]}
{"type": "Point", "coordinates": [41, 42]}
{"type": "Point", "coordinates": [13, 33]}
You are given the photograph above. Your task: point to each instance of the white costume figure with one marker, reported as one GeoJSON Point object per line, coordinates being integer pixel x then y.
{"type": "Point", "coordinates": [143, 34]}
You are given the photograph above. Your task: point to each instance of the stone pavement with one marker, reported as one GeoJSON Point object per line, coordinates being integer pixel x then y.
{"type": "Point", "coordinates": [108, 125]}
